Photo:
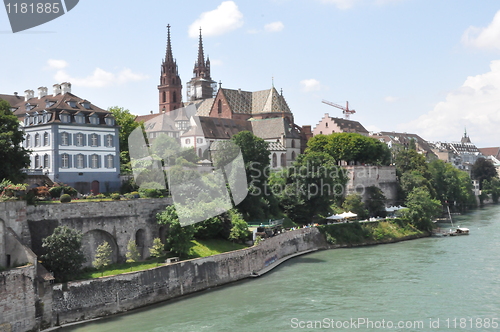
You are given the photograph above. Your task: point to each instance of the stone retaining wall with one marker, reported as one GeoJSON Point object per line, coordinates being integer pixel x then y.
{"type": "Point", "coordinates": [88, 299]}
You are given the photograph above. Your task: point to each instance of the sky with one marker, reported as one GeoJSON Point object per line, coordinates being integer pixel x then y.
{"type": "Point", "coordinates": [430, 67]}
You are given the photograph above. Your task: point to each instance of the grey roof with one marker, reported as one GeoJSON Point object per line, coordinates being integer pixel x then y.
{"type": "Point", "coordinates": [222, 128]}
{"type": "Point", "coordinates": [274, 128]}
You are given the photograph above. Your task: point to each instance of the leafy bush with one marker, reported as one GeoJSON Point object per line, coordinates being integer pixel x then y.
{"type": "Point", "coordinates": [152, 190]}
{"type": "Point", "coordinates": [115, 197]}
{"type": "Point", "coordinates": [65, 198]}
{"type": "Point", "coordinates": [57, 190]}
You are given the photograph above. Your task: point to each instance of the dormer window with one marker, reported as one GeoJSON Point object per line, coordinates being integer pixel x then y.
{"type": "Point", "coordinates": [65, 118]}
{"type": "Point", "coordinates": [49, 103]}
{"type": "Point", "coordinates": [94, 119]}
{"type": "Point", "coordinates": [29, 107]}
{"type": "Point", "coordinates": [27, 120]}
{"type": "Point", "coordinates": [86, 105]}
{"type": "Point", "coordinates": [110, 121]}
{"type": "Point", "coordinates": [71, 103]}
{"type": "Point", "coordinates": [79, 118]}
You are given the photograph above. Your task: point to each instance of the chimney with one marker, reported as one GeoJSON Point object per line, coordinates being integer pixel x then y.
{"type": "Point", "coordinates": [65, 87]}
{"type": "Point", "coordinates": [57, 89]}
{"type": "Point", "coordinates": [28, 94]}
{"type": "Point", "coordinates": [42, 92]}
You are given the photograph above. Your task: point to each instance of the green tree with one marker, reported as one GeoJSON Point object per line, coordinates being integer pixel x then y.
{"type": "Point", "coordinates": [158, 248]}
{"type": "Point", "coordinates": [351, 148]}
{"type": "Point", "coordinates": [483, 170]}
{"type": "Point", "coordinates": [13, 156]}
{"type": "Point", "coordinates": [103, 255]}
{"type": "Point", "coordinates": [64, 255]}
{"type": "Point", "coordinates": [354, 203]}
{"type": "Point", "coordinates": [239, 230]}
{"type": "Point", "coordinates": [127, 124]}
{"type": "Point", "coordinates": [178, 238]}
{"type": "Point", "coordinates": [421, 209]}
{"type": "Point", "coordinates": [375, 203]}
{"type": "Point", "coordinates": [492, 188]}
{"type": "Point", "coordinates": [133, 254]}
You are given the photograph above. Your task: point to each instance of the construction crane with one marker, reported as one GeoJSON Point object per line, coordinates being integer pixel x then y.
{"type": "Point", "coordinates": [347, 112]}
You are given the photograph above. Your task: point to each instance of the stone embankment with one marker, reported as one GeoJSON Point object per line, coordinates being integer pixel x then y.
{"type": "Point", "coordinates": [83, 300]}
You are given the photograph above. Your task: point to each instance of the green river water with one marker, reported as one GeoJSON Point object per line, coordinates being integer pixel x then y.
{"type": "Point", "coordinates": [430, 284]}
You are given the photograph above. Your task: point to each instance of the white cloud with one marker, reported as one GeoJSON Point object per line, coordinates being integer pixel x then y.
{"type": "Point", "coordinates": [98, 79]}
{"type": "Point", "coordinates": [311, 85]}
{"type": "Point", "coordinates": [341, 4]}
{"type": "Point", "coordinates": [274, 26]}
{"type": "Point", "coordinates": [486, 38]}
{"type": "Point", "coordinates": [56, 64]}
{"type": "Point", "coordinates": [391, 99]}
{"type": "Point", "coordinates": [225, 18]}
{"type": "Point", "coordinates": [475, 105]}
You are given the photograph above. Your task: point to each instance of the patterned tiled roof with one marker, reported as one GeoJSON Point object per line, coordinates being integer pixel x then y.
{"type": "Point", "coordinates": [204, 106]}
{"type": "Point", "coordinates": [265, 101]}
{"type": "Point", "coordinates": [276, 146]}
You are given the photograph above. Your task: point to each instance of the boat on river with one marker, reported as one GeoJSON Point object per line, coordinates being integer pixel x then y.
{"type": "Point", "coordinates": [459, 231]}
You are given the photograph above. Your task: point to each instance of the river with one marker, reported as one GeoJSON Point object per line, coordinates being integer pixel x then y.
{"type": "Point", "coordinates": [430, 284]}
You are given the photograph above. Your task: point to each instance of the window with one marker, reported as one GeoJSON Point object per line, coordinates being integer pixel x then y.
{"type": "Point", "coordinates": [28, 140]}
{"type": "Point", "coordinates": [94, 119]}
{"type": "Point", "coordinates": [37, 161]}
{"type": "Point", "coordinates": [46, 140]}
{"type": "Point", "coordinates": [326, 124]}
{"type": "Point", "coordinates": [37, 139]}
{"type": "Point", "coordinates": [164, 97]}
{"type": "Point", "coordinates": [275, 161]}
{"type": "Point", "coordinates": [94, 139]}
{"type": "Point", "coordinates": [219, 106]}
{"type": "Point", "coordinates": [65, 160]}
{"type": "Point", "coordinates": [188, 141]}
{"type": "Point", "coordinates": [110, 121]}
{"type": "Point", "coordinates": [79, 118]}
{"type": "Point", "coordinates": [79, 139]}
{"type": "Point", "coordinates": [109, 161]}
{"type": "Point", "coordinates": [46, 161]}
{"type": "Point", "coordinates": [79, 161]}
{"type": "Point", "coordinates": [199, 140]}
{"type": "Point", "coordinates": [65, 118]}
{"type": "Point", "coordinates": [109, 141]}
{"type": "Point", "coordinates": [64, 139]}
{"type": "Point", "coordinates": [174, 97]}
{"type": "Point", "coordinates": [293, 143]}
{"type": "Point", "coordinates": [94, 161]}
{"type": "Point", "coordinates": [27, 121]}
{"type": "Point", "coordinates": [293, 155]}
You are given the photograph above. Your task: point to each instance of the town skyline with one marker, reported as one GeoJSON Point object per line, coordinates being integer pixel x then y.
{"type": "Point", "coordinates": [400, 67]}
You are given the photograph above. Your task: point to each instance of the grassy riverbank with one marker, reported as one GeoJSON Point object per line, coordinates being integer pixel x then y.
{"type": "Point", "coordinates": [359, 233]}
{"type": "Point", "coordinates": [199, 248]}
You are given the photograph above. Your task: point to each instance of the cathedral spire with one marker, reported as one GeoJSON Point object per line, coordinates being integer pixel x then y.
{"type": "Point", "coordinates": [170, 83]}
{"type": "Point", "coordinates": [168, 56]}
{"type": "Point", "coordinates": [201, 56]}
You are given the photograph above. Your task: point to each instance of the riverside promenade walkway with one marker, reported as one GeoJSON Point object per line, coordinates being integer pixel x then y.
{"type": "Point", "coordinates": [278, 262]}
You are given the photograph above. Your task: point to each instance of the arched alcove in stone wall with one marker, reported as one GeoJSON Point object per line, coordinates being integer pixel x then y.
{"type": "Point", "coordinates": [94, 238]}
{"type": "Point", "coordinates": [3, 256]}
{"type": "Point", "coordinates": [140, 240]}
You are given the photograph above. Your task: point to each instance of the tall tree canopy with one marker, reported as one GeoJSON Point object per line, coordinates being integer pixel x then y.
{"type": "Point", "coordinates": [127, 124]}
{"type": "Point", "coordinates": [351, 147]}
{"type": "Point", "coordinates": [13, 156]}
{"type": "Point", "coordinates": [483, 170]}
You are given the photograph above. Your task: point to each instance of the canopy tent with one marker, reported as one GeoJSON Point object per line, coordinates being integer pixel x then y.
{"type": "Point", "coordinates": [348, 214]}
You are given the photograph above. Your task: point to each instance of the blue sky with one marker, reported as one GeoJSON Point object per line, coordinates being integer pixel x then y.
{"type": "Point", "coordinates": [420, 66]}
